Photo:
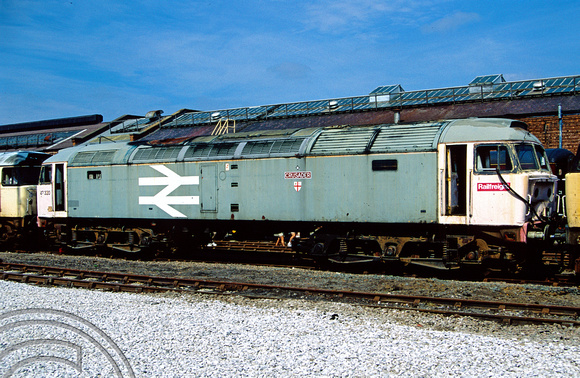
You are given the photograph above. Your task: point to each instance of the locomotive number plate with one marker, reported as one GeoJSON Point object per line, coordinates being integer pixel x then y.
{"type": "Point", "coordinates": [297, 175]}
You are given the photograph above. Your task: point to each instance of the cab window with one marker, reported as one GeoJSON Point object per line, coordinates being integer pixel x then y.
{"type": "Point", "coordinates": [542, 157]}
{"type": "Point", "coordinates": [20, 176]}
{"type": "Point", "coordinates": [489, 157]}
{"type": "Point", "coordinates": [527, 156]}
{"type": "Point", "coordinates": [45, 175]}
{"type": "Point", "coordinates": [532, 157]}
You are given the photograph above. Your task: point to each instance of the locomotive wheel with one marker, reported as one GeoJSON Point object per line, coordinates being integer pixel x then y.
{"type": "Point", "coordinates": [319, 249]}
{"type": "Point", "coordinates": [390, 250]}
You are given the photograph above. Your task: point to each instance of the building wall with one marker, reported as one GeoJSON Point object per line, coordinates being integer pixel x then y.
{"type": "Point", "coordinates": [547, 129]}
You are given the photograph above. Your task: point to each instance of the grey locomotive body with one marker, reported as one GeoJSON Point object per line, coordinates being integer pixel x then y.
{"type": "Point", "coordinates": [439, 193]}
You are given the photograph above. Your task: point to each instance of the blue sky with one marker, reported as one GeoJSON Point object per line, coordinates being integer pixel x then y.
{"type": "Point", "coordinates": [69, 58]}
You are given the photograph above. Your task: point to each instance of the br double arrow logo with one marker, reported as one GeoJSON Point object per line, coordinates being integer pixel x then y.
{"type": "Point", "coordinates": [172, 181]}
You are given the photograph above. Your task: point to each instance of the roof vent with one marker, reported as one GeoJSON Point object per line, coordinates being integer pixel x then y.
{"type": "Point", "coordinates": [539, 85]}
{"type": "Point", "coordinates": [215, 116]}
{"type": "Point", "coordinates": [519, 124]}
{"type": "Point", "coordinates": [385, 93]}
{"type": "Point", "coordinates": [154, 114]}
{"type": "Point", "coordinates": [333, 105]}
{"type": "Point", "coordinates": [484, 84]}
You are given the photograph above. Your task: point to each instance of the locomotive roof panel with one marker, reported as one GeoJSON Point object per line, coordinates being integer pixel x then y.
{"type": "Point", "coordinates": [335, 140]}
{"type": "Point", "coordinates": [486, 129]}
{"type": "Point", "coordinates": [22, 158]}
{"type": "Point", "coordinates": [417, 137]}
{"type": "Point", "coordinates": [94, 154]}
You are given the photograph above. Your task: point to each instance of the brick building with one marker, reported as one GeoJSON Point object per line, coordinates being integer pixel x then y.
{"type": "Point", "coordinates": [547, 105]}
{"type": "Point", "coordinates": [543, 103]}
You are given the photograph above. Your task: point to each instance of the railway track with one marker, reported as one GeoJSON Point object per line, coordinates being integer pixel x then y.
{"type": "Point", "coordinates": [285, 257]}
{"type": "Point", "coordinates": [266, 253]}
{"type": "Point", "coordinates": [505, 312]}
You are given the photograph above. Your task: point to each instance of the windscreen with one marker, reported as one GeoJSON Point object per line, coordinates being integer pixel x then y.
{"type": "Point", "coordinates": [532, 157]}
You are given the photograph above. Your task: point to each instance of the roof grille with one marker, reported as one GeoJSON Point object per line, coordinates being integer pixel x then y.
{"type": "Point", "coordinates": [343, 141]}
{"type": "Point", "coordinates": [403, 138]}
{"type": "Point", "coordinates": [158, 154]}
{"type": "Point", "coordinates": [93, 157]}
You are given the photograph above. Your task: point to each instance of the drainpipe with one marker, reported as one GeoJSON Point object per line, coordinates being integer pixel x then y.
{"type": "Point", "coordinates": [397, 116]}
{"type": "Point", "coordinates": [560, 122]}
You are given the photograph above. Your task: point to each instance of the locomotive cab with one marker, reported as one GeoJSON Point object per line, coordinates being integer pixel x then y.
{"type": "Point", "coordinates": [18, 179]}
{"type": "Point", "coordinates": [503, 183]}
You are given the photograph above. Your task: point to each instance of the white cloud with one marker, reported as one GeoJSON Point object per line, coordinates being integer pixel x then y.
{"type": "Point", "coordinates": [291, 70]}
{"type": "Point", "coordinates": [335, 16]}
{"type": "Point", "coordinates": [451, 22]}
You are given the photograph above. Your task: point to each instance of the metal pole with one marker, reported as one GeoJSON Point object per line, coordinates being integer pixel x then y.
{"type": "Point", "coordinates": [560, 122]}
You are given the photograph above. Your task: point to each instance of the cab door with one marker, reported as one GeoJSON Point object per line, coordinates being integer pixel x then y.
{"type": "Point", "coordinates": [494, 172]}
{"type": "Point", "coordinates": [51, 193]}
{"type": "Point", "coordinates": [59, 187]}
{"type": "Point", "coordinates": [454, 183]}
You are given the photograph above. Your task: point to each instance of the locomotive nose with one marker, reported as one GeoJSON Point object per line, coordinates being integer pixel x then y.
{"type": "Point", "coordinates": [541, 195]}
{"type": "Point", "coordinates": [542, 190]}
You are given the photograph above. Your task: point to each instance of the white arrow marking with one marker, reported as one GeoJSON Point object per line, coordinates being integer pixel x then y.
{"type": "Point", "coordinates": [171, 181]}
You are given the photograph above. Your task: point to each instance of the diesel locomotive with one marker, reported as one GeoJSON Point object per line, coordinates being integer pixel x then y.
{"type": "Point", "coordinates": [19, 176]}
{"type": "Point", "coordinates": [572, 202]}
{"type": "Point", "coordinates": [446, 194]}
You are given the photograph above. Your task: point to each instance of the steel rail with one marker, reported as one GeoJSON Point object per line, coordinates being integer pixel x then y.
{"type": "Point", "coordinates": [57, 276]}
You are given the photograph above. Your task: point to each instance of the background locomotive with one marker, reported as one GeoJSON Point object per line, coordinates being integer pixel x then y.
{"type": "Point", "coordinates": [572, 203]}
{"type": "Point", "coordinates": [440, 194]}
{"type": "Point", "coordinates": [19, 177]}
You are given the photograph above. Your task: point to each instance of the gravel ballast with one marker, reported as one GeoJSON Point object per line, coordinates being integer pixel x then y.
{"type": "Point", "coordinates": [375, 283]}
{"type": "Point", "coordinates": [177, 335]}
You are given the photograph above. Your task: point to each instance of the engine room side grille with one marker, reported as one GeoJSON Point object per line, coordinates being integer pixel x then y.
{"type": "Point", "coordinates": [401, 138]}
{"type": "Point", "coordinates": [206, 150]}
{"type": "Point", "coordinates": [157, 154]}
{"type": "Point", "coordinates": [287, 146]}
{"type": "Point", "coordinates": [343, 141]}
{"type": "Point", "coordinates": [257, 148]}
{"type": "Point", "coordinates": [93, 158]}
{"type": "Point", "coordinates": [198, 151]}
{"type": "Point", "coordinates": [223, 149]}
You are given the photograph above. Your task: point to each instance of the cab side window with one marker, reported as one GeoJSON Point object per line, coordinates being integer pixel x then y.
{"type": "Point", "coordinates": [489, 157]}
{"type": "Point", "coordinates": [9, 177]}
{"type": "Point", "coordinates": [45, 174]}
{"type": "Point", "coordinates": [542, 157]}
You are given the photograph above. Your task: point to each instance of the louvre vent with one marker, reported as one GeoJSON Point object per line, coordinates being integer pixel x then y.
{"type": "Point", "coordinates": [257, 148]}
{"type": "Point", "coordinates": [401, 138]}
{"type": "Point", "coordinates": [198, 151]}
{"type": "Point", "coordinates": [288, 146]}
{"type": "Point", "coordinates": [343, 141]}
{"type": "Point", "coordinates": [223, 149]}
{"type": "Point", "coordinates": [93, 158]}
{"type": "Point", "coordinates": [205, 150]}
{"type": "Point", "coordinates": [157, 154]}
